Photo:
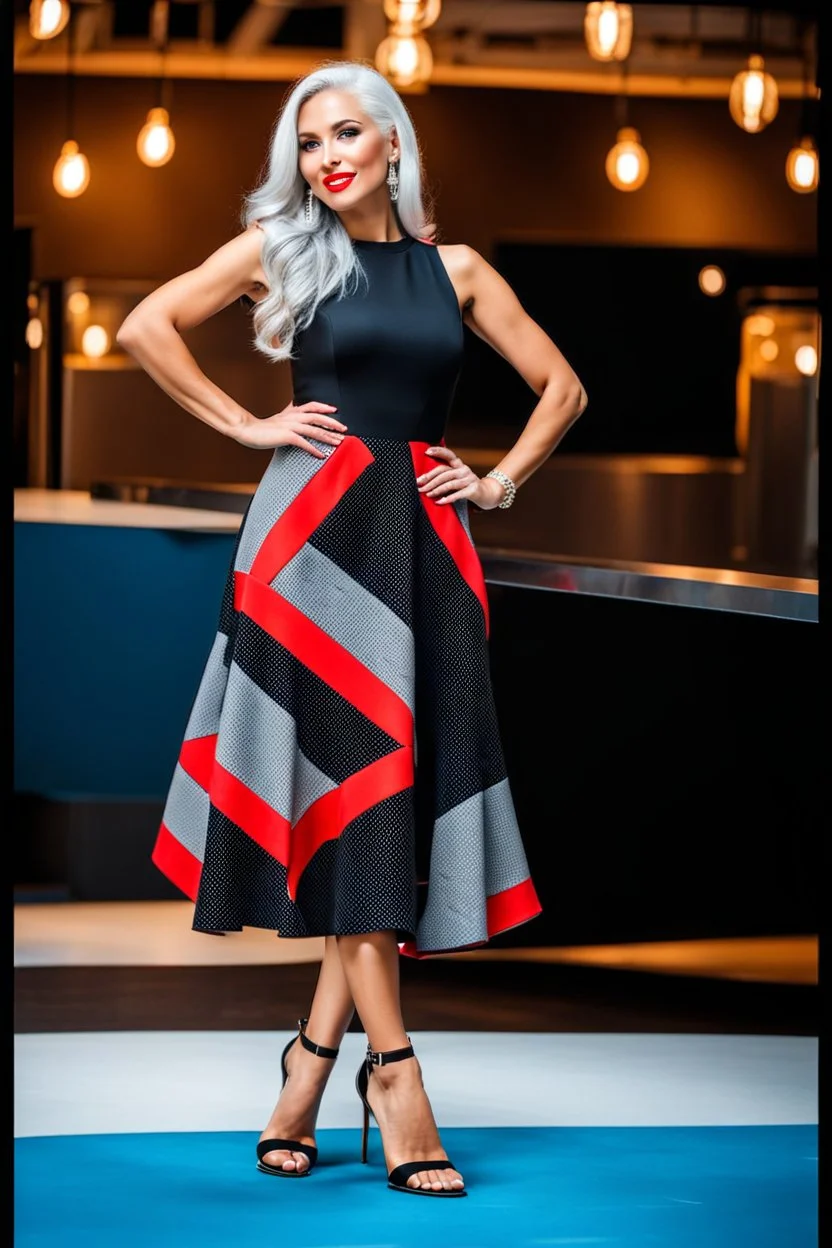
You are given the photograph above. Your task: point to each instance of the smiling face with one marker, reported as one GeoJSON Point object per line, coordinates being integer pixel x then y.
{"type": "Point", "coordinates": [342, 154]}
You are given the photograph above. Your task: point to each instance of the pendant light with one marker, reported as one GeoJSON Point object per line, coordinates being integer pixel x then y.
{"type": "Point", "coordinates": [47, 18]}
{"type": "Point", "coordinates": [71, 174]}
{"type": "Point", "coordinates": [156, 143]}
{"type": "Point", "coordinates": [608, 30]}
{"type": "Point", "coordinates": [803, 162]}
{"type": "Point", "coordinates": [753, 100]}
{"type": "Point", "coordinates": [416, 13]}
{"type": "Point", "coordinates": [627, 164]}
{"type": "Point", "coordinates": [404, 56]}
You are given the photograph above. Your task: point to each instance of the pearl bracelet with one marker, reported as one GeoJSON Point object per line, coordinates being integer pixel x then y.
{"type": "Point", "coordinates": [507, 484]}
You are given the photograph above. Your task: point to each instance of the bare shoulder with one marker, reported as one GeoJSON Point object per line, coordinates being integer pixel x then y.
{"type": "Point", "coordinates": [459, 259]}
{"type": "Point", "coordinates": [462, 264]}
{"type": "Point", "coordinates": [245, 253]}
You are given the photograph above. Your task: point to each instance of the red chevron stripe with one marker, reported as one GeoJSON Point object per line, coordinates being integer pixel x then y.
{"type": "Point", "coordinates": [502, 911]}
{"type": "Point", "coordinates": [176, 862]}
{"type": "Point", "coordinates": [450, 531]}
{"type": "Point", "coordinates": [271, 830]}
{"type": "Point", "coordinates": [327, 818]}
{"type": "Point", "coordinates": [311, 506]}
{"type": "Point", "coordinates": [324, 656]}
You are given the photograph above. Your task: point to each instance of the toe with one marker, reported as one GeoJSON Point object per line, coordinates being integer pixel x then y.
{"type": "Point", "coordinates": [301, 1162]}
{"type": "Point", "coordinates": [279, 1159]}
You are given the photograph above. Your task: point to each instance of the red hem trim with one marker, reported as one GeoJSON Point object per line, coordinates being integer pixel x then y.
{"type": "Point", "coordinates": [505, 910]}
{"type": "Point", "coordinates": [176, 862]}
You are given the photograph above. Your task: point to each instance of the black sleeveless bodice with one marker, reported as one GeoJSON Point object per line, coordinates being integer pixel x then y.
{"type": "Point", "coordinates": [388, 357]}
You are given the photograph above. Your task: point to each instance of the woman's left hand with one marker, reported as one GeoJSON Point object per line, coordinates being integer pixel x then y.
{"type": "Point", "coordinates": [452, 479]}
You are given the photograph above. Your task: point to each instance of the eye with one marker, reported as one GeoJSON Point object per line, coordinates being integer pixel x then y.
{"type": "Point", "coordinates": [307, 145]}
{"type": "Point", "coordinates": [349, 130]}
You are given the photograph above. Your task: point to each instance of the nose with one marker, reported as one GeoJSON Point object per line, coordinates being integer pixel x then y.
{"type": "Point", "coordinates": [331, 162]}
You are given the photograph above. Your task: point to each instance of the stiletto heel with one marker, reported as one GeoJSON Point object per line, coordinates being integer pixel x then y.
{"type": "Point", "coordinates": [397, 1178]}
{"type": "Point", "coordinates": [293, 1146]}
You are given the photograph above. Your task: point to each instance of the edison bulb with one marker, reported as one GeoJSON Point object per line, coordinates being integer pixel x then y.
{"type": "Point", "coordinates": [711, 280]}
{"type": "Point", "coordinates": [156, 143]}
{"type": "Point", "coordinates": [95, 341]}
{"type": "Point", "coordinates": [753, 100]}
{"type": "Point", "coordinates": [404, 59]}
{"type": "Point", "coordinates": [47, 18]}
{"type": "Point", "coordinates": [608, 30]}
{"type": "Point", "coordinates": [803, 166]}
{"type": "Point", "coordinates": [417, 14]}
{"type": "Point", "coordinates": [627, 164]}
{"type": "Point", "coordinates": [806, 360]}
{"type": "Point", "coordinates": [71, 175]}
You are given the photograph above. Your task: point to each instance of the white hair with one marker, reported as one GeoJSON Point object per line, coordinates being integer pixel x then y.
{"type": "Point", "coordinates": [306, 262]}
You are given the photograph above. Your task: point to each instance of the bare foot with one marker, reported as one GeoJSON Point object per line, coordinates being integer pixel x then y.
{"type": "Point", "coordinates": [399, 1102]}
{"type": "Point", "coordinates": [296, 1112]}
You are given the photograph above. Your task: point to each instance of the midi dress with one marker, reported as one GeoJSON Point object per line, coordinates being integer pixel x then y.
{"type": "Point", "coordinates": [342, 769]}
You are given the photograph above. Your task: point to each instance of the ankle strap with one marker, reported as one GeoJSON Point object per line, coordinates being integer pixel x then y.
{"type": "Point", "coordinates": [318, 1049]}
{"type": "Point", "coordinates": [393, 1055]}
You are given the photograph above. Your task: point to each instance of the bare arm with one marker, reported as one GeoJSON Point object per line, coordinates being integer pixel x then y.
{"type": "Point", "coordinates": [152, 334]}
{"type": "Point", "coordinates": [495, 314]}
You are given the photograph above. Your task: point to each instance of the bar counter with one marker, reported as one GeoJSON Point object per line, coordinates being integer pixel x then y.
{"type": "Point", "coordinates": [714, 589]}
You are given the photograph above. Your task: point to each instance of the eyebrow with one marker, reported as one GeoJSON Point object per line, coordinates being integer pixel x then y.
{"type": "Point", "coordinates": [337, 126]}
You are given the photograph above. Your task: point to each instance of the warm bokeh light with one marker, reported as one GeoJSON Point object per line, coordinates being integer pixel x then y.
{"type": "Point", "coordinates": [95, 341]}
{"type": "Point", "coordinates": [156, 143]}
{"type": "Point", "coordinates": [78, 303]}
{"type": "Point", "coordinates": [71, 175]}
{"type": "Point", "coordinates": [32, 302]}
{"type": "Point", "coordinates": [753, 99]}
{"type": "Point", "coordinates": [34, 332]}
{"type": "Point", "coordinates": [806, 360]}
{"type": "Point", "coordinates": [803, 166]}
{"type": "Point", "coordinates": [769, 349]}
{"type": "Point", "coordinates": [759, 324]}
{"type": "Point", "coordinates": [406, 60]}
{"type": "Point", "coordinates": [608, 30]}
{"type": "Point", "coordinates": [627, 165]}
{"type": "Point", "coordinates": [47, 18]}
{"type": "Point", "coordinates": [711, 280]}
{"type": "Point", "coordinates": [415, 14]}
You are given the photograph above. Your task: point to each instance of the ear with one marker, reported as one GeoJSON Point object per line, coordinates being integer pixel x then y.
{"type": "Point", "coordinates": [394, 150]}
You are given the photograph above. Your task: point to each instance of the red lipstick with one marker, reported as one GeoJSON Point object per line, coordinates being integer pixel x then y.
{"type": "Point", "coordinates": [338, 181]}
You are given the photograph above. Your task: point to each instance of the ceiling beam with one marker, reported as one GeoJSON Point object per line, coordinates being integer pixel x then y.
{"type": "Point", "coordinates": [287, 65]}
{"type": "Point", "coordinates": [258, 26]}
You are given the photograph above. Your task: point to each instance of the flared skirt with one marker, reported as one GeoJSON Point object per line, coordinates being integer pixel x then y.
{"type": "Point", "coordinates": [342, 769]}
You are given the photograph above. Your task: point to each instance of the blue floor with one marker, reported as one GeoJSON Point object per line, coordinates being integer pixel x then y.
{"type": "Point", "coordinates": [633, 1187]}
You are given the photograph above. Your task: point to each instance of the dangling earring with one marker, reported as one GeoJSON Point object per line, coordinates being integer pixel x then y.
{"type": "Point", "coordinates": [393, 180]}
{"type": "Point", "coordinates": [307, 207]}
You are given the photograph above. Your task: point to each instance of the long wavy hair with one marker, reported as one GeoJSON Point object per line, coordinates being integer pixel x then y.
{"type": "Point", "coordinates": [306, 262]}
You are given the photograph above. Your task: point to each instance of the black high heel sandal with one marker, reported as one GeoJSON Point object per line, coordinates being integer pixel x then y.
{"type": "Point", "coordinates": [293, 1146]}
{"type": "Point", "coordinates": [397, 1178]}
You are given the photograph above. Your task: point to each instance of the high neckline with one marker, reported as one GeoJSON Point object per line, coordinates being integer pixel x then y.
{"type": "Point", "coordinates": [398, 244]}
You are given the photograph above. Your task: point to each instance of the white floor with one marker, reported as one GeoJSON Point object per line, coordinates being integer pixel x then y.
{"type": "Point", "coordinates": [90, 1083]}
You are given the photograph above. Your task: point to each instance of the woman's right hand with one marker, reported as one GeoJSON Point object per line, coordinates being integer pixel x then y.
{"type": "Point", "coordinates": [292, 427]}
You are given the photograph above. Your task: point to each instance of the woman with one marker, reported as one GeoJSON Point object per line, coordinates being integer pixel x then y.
{"type": "Point", "coordinates": [342, 774]}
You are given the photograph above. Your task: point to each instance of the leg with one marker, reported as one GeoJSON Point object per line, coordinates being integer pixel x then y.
{"type": "Point", "coordinates": [396, 1092]}
{"type": "Point", "coordinates": [296, 1111]}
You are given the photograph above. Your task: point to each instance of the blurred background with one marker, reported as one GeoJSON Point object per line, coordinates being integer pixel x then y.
{"type": "Point", "coordinates": [646, 179]}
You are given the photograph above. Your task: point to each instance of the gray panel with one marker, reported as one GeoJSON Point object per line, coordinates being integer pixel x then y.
{"type": "Point", "coordinates": [186, 812]}
{"type": "Point", "coordinates": [353, 616]}
{"type": "Point", "coordinates": [204, 720]}
{"type": "Point", "coordinates": [290, 469]}
{"type": "Point", "coordinates": [258, 744]}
